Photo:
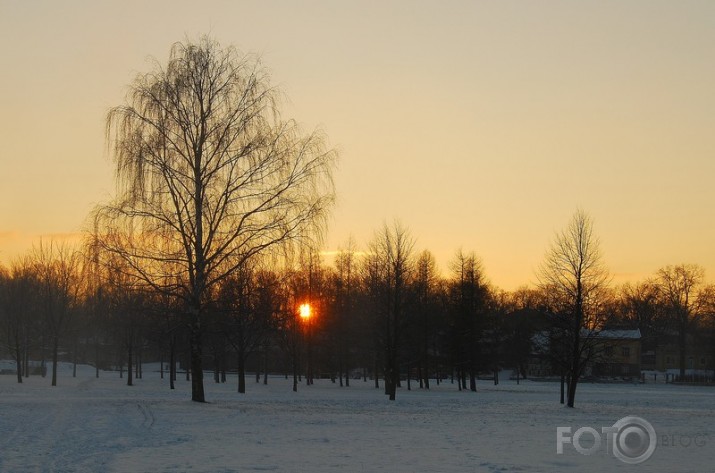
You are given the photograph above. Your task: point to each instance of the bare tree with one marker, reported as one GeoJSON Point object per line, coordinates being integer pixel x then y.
{"type": "Point", "coordinates": [57, 267]}
{"type": "Point", "coordinates": [678, 286]}
{"type": "Point", "coordinates": [426, 283]}
{"type": "Point", "coordinates": [127, 308]}
{"type": "Point", "coordinates": [706, 309]}
{"type": "Point", "coordinates": [209, 176]}
{"type": "Point", "coordinates": [345, 293]}
{"type": "Point", "coordinates": [247, 306]}
{"type": "Point", "coordinates": [390, 257]}
{"type": "Point", "coordinates": [18, 297]}
{"type": "Point", "coordinates": [573, 271]}
{"type": "Point", "coordinates": [640, 305]}
{"type": "Point", "coordinates": [468, 295]}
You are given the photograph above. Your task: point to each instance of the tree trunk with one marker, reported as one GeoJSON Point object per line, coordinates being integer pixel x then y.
{"type": "Point", "coordinates": [55, 350]}
{"type": "Point", "coordinates": [346, 368]}
{"type": "Point", "coordinates": [391, 374]}
{"type": "Point", "coordinates": [340, 372]}
{"type": "Point", "coordinates": [74, 359]}
{"type": "Point", "coordinates": [571, 389]}
{"type": "Point", "coordinates": [265, 365]}
{"type": "Point", "coordinates": [129, 365]}
{"type": "Point", "coordinates": [18, 362]}
{"type": "Point", "coordinates": [172, 360]}
{"type": "Point", "coordinates": [575, 370]}
{"type": "Point", "coordinates": [295, 369]}
{"type": "Point", "coordinates": [140, 363]}
{"type": "Point", "coordinates": [390, 383]}
{"type": "Point", "coordinates": [241, 371]}
{"type": "Point", "coordinates": [682, 346]}
{"type": "Point", "coordinates": [197, 372]}
{"type": "Point", "coordinates": [96, 358]}
{"type": "Point", "coordinates": [377, 374]}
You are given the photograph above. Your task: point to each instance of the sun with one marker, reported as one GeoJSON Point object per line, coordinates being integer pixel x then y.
{"type": "Point", "coordinates": [305, 311]}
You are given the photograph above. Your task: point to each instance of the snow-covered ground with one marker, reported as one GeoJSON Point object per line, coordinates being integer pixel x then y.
{"type": "Point", "coordinates": [87, 425]}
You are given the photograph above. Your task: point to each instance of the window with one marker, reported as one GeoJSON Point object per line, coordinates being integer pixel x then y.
{"type": "Point", "coordinates": [609, 350]}
{"type": "Point", "coordinates": [626, 351]}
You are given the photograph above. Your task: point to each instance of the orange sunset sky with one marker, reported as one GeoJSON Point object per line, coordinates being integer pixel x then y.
{"type": "Point", "coordinates": [480, 125]}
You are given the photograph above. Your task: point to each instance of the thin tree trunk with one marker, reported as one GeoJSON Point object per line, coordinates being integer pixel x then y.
{"type": "Point", "coordinates": [426, 369]}
{"type": "Point", "coordinates": [172, 360]}
{"type": "Point", "coordinates": [241, 371]}
{"type": "Point", "coordinates": [55, 350]}
{"type": "Point", "coordinates": [265, 365]}
{"type": "Point", "coordinates": [18, 362]}
{"type": "Point", "coordinates": [575, 369]}
{"type": "Point", "coordinates": [74, 359]}
{"type": "Point", "coordinates": [295, 367]}
{"type": "Point", "coordinates": [96, 357]}
{"type": "Point", "coordinates": [377, 373]}
{"type": "Point", "coordinates": [129, 365]}
{"type": "Point", "coordinates": [340, 371]}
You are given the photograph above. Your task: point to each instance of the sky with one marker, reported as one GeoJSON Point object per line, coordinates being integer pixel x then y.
{"type": "Point", "coordinates": [481, 126]}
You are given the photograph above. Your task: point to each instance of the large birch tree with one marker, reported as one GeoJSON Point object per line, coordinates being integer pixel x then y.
{"type": "Point", "coordinates": [209, 176]}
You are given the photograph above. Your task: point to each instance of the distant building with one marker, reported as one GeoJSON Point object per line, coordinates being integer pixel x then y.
{"type": "Point", "coordinates": [620, 354]}
{"type": "Point", "coordinates": [611, 354]}
{"type": "Point", "coordinates": [661, 353]}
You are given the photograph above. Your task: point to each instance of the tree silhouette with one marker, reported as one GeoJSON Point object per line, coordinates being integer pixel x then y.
{"type": "Point", "coordinates": [209, 176]}
{"type": "Point", "coordinates": [573, 272]}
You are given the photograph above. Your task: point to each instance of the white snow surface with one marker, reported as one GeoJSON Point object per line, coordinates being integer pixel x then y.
{"type": "Point", "coordinates": [87, 424]}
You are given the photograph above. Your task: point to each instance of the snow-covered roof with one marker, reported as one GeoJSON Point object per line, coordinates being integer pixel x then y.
{"type": "Point", "coordinates": [629, 334]}
{"type": "Point", "coordinates": [620, 334]}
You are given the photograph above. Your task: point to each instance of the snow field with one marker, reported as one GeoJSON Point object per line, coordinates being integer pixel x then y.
{"type": "Point", "coordinates": [96, 425]}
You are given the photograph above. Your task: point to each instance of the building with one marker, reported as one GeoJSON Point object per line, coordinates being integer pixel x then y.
{"type": "Point", "coordinates": [619, 354]}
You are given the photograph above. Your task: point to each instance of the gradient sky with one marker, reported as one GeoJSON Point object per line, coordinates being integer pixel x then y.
{"type": "Point", "coordinates": [480, 125]}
